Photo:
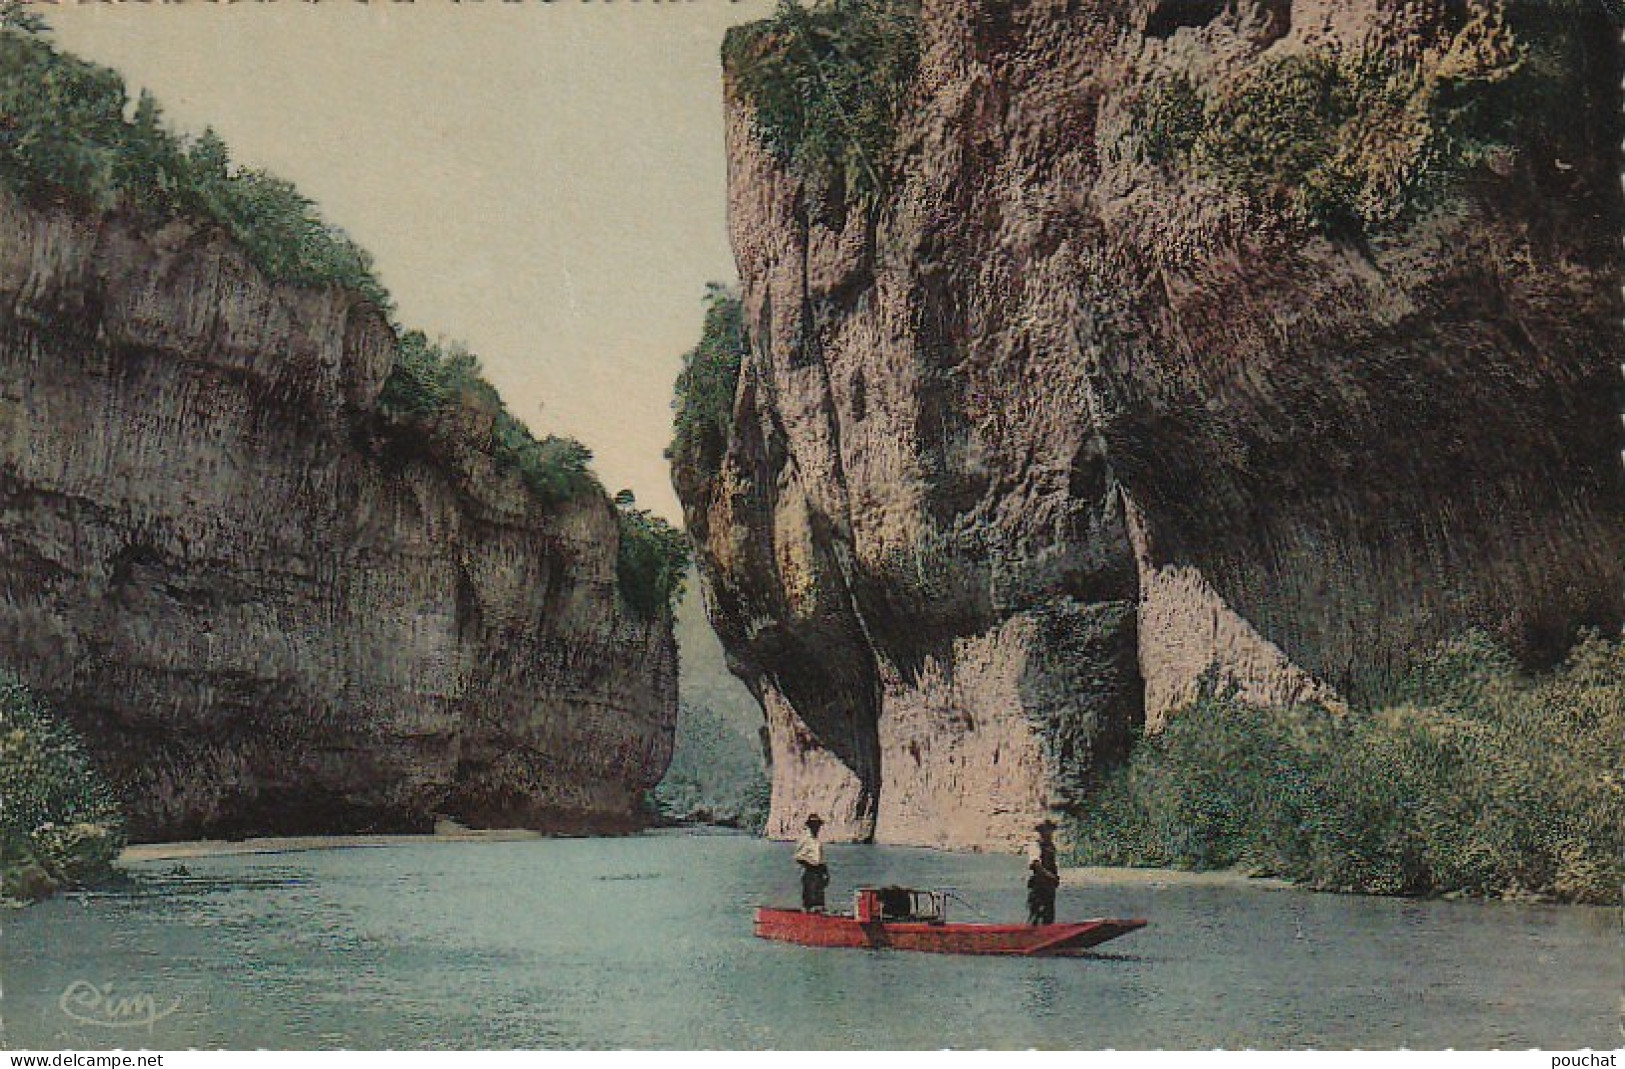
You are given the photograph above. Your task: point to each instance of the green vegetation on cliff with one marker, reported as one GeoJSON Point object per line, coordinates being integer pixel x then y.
{"type": "Point", "coordinates": [433, 387]}
{"type": "Point", "coordinates": [1352, 142]}
{"type": "Point", "coordinates": [827, 85]}
{"type": "Point", "coordinates": [703, 404]}
{"type": "Point", "coordinates": [59, 824]}
{"type": "Point", "coordinates": [64, 138]}
{"type": "Point", "coordinates": [719, 766]}
{"type": "Point", "coordinates": [653, 558]}
{"type": "Point", "coordinates": [436, 392]}
{"type": "Point", "coordinates": [1478, 780]}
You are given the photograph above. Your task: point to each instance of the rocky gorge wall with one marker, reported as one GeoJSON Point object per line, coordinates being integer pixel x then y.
{"type": "Point", "coordinates": [264, 611]}
{"type": "Point", "coordinates": [1083, 413]}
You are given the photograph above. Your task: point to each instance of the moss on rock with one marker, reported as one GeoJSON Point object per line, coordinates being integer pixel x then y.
{"type": "Point", "coordinates": [1359, 142]}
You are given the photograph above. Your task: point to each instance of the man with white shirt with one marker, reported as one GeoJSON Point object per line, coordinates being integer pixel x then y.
{"type": "Point", "coordinates": [814, 873]}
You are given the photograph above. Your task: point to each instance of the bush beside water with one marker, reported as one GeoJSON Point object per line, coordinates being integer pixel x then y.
{"type": "Point", "coordinates": [59, 824]}
{"type": "Point", "coordinates": [1478, 780]}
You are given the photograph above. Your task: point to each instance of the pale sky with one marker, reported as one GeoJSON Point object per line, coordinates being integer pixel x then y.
{"type": "Point", "coordinates": [544, 181]}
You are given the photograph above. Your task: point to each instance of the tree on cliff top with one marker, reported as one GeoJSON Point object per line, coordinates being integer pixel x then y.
{"type": "Point", "coordinates": [703, 398]}
{"type": "Point", "coordinates": [433, 384]}
{"type": "Point", "coordinates": [827, 85]}
{"type": "Point", "coordinates": [64, 139]}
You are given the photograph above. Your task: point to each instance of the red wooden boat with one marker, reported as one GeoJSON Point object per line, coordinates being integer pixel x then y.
{"type": "Point", "coordinates": [901, 918]}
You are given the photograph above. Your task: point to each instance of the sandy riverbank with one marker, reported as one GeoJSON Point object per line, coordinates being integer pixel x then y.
{"type": "Point", "coordinates": [203, 848]}
{"type": "Point", "coordinates": [293, 844]}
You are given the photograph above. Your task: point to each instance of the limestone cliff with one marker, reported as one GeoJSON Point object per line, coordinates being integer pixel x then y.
{"type": "Point", "coordinates": [266, 609]}
{"type": "Point", "coordinates": [1109, 389]}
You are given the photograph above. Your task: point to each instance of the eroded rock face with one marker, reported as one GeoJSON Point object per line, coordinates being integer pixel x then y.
{"type": "Point", "coordinates": [266, 615]}
{"type": "Point", "coordinates": [1068, 424]}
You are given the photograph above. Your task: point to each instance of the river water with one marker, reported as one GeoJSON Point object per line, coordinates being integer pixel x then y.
{"type": "Point", "coordinates": [645, 942]}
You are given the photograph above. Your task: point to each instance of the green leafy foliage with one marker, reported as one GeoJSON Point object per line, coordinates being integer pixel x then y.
{"type": "Point", "coordinates": [64, 137]}
{"type": "Point", "coordinates": [555, 469]}
{"type": "Point", "coordinates": [55, 811]}
{"type": "Point", "coordinates": [282, 230]}
{"type": "Point", "coordinates": [828, 84]}
{"type": "Point", "coordinates": [1357, 142]}
{"type": "Point", "coordinates": [652, 560]}
{"type": "Point", "coordinates": [704, 394]}
{"type": "Point", "coordinates": [1479, 780]}
{"type": "Point", "coordinates": [433, 388]}
{"type": "Point", "coordinates": [429, 378]}
{"type": "Point", "coordinates": [717, 774]}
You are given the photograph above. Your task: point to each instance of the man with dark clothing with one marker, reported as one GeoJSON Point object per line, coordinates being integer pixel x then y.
{"type": "Point", "coordinates": [1044, 876]}
{"type": "Point", "coordinates": [814, 873]}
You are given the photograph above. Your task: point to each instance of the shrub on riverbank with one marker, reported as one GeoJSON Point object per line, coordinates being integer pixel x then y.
{"type": "Point", "coordinates": [1479, 779]}
{"type": "Point", "coordinates": [59, 824]}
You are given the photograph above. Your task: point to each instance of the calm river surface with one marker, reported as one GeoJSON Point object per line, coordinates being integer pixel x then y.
{"type": "Point", "coordinates": [646, 942]}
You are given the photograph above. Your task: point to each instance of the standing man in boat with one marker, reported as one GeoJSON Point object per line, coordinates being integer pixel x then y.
{"type": "Point", "coordinates": [814, 873]}
{"type": "Point", "coordinates": [1043, 876]}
